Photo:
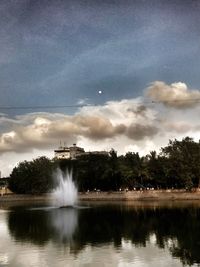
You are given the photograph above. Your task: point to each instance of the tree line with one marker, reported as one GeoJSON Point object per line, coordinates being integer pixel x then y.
{"type": "Point", "coordinates": [176, 166]}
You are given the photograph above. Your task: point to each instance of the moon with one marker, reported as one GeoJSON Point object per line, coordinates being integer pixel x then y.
{"type": "Point", "coordinates": [100, 92]}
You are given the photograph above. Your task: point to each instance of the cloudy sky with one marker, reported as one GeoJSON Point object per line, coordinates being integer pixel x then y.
{"type": "Point", "coordinates": [134, 64]}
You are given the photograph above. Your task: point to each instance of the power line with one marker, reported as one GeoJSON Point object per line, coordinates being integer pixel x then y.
{"type": "Point", "coordinates": [175, 100]}
{"type": "Point", "coordinates": [92, 105]}
{"type": "Point", "coordinates": [43, 107]}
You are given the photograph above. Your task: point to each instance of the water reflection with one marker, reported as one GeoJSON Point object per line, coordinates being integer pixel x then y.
{"type": "Point", "coordinates": [64, 222]}
{"type": "Point", "coordinates": [42, 225]}
{"type": "Point", "coordinates": [173, 228]}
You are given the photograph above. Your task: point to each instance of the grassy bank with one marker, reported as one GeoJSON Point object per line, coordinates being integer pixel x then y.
{"type": "Point", "coordinates": [158, 195]}
{"type": "Point", "coordinates": [142, 195]}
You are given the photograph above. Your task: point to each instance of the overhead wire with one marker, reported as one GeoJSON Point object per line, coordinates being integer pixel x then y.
{"type": "Point", "coordinates": [91, 105]}
{"type": "Point", "coordinates": [43, 107]}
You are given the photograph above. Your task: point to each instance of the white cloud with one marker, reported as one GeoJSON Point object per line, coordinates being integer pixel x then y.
{"type": "Point", "coordinates": [176, 95]}
{"type": "Point", "coordinates": [112, 120]}
{"type": "Point", "coordinates": [124, 125]}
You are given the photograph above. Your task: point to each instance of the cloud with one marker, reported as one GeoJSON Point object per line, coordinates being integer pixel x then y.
{"type": "Point", "coordinates": [178, 127]}
{"type": "Point", "coordinates": [128, 121]}
{"type": "Point", "coordinates": [125, 121]}
{"type": "Point", "coordinates": [176, 95]}
{"type": "Point", "coordinates": [114, 119]}
{"type": "Point", "coordinates": [181, 127]}
{"type": "Point", "coordinates": [125, 125]}
{"type": "Point", "coordinates": [128, 124]}
{"type": "Point", "coordinates": [139, 131]}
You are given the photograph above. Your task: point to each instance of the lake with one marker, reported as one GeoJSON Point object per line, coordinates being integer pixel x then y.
{"type": "Point", "coordinates": [101, 234]}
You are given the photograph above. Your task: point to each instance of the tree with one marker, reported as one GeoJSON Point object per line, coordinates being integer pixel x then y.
{"type": "Point", "coordinates": [32, 176]}
{"type": "Point", "coordinates": [156, 170]}
{"type": "Point", "coordinates": [183, 162]}
{"type": "Point", "coordinates": [91, 172]}
{"type": "Point", "coordinates": [112, 175]}
{"type": "Point", "coordinates": [133, 170]}
{"type": "Point", "coordinates": [177, 166]}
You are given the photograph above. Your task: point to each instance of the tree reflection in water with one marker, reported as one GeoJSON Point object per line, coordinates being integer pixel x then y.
{"type": "Point", "coordinates": [176, 228]}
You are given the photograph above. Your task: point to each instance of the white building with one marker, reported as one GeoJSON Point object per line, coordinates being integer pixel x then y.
{"type": "Point", "coordinates": [72, 152]}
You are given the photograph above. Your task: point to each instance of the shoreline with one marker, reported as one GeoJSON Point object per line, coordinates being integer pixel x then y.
{"type": "Point", "coordinates": [149, 195]}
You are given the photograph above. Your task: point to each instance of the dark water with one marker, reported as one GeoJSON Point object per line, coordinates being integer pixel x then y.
{"type": "Point", "coordinates": [120, 234]}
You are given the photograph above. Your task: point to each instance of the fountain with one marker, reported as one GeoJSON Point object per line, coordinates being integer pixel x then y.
{"type": "Point", "coordinates": [66, 194]}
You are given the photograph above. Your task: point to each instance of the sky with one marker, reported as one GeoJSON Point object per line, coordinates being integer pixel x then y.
{"type": "Point", "coordinates": [128, 70]}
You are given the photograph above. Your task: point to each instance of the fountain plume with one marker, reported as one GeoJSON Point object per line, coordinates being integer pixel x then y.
{"type": "Point", "coordinates": [66, 193]}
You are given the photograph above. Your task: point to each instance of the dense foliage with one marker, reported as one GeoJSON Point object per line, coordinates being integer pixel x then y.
{"type": "Point", "coordinates": [32, 177]}
{"type": "Point", "coordinates": [177, 166]}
